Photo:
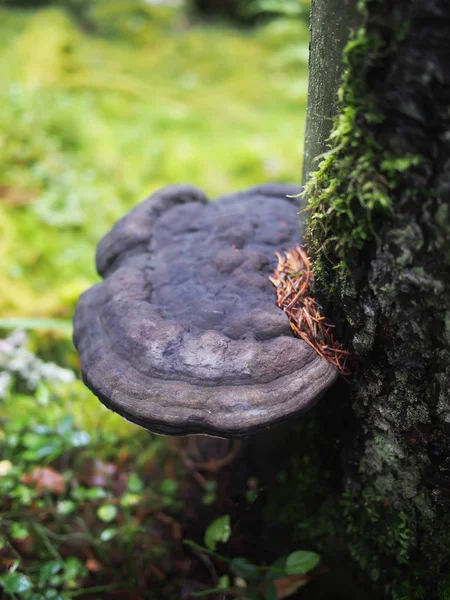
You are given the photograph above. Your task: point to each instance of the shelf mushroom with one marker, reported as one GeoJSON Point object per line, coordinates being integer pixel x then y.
{"type": "Point", "coordinates": [183, 335]}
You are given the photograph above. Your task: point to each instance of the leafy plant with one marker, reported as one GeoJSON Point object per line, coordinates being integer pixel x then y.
{"type": "Point", "coordinates": [218, 531]}
{"type": "Point", "coordinates": [68, 516]}
{"type": "Point", "coordinates": [244, 578]}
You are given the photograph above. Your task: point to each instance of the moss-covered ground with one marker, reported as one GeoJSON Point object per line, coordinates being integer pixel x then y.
{"type": "Point", "coordinates": [90, 124]}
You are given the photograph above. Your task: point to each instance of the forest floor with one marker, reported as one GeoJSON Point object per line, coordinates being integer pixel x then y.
{"type": "Point", "coordinates": [94, 116]}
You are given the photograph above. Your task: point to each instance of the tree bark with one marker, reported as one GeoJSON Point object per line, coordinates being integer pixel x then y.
{"type": "Point", "coordinates": [379, 237]}
{"type": "Point", "coordinates": [331, 22]}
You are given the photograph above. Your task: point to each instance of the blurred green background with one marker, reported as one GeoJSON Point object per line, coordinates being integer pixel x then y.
{"type": "Point", "coordinates": [99, 111]}
{"type": "Point", "coordinates": [101, 103]}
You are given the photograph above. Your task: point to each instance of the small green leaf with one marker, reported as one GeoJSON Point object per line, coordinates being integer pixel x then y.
{"type": "Point", "coordinates": [277, 569]}
{"type": "Point", "coordinates": [169, 487]}
{"type": "Point", "coordinates": [73, 568]}
{"type": "Point", "coordinates": [56, 580]}
{"type": "Point", "coordinates": [218, 531]}
{"type": "Point", "coordinates": [95, 493]}
{"type": "Point", "coordinates": [65, 426]}
{"type": "Point", "coordinates": [15, 583]}
{"type": "Point", "coordinates": [48, 570]}
{"type": "Point", "coordinates": [301, 562]}
{"type": "Point", "coordinates": [16, 564]}
{"type": "Point", "coordinates": [211, 485]}
{"type": "Point", "coordinates": [135, 485]}
{"type": "Point", "coordinates": [209, 498]}
{"type": "Point", "coordinates": [251, 496]}
{"type": "Point", "coordinates": [107, 513]}
{"type": "Point", "coordinates": [65, 507]}
{"type": "Point", "coordinates": [224, 582]}
{"type": "Point", "coordinates": [42, 394]}
{"type": "Point", "coordinates": [270, 592]}
{"type": "Point", "coordinates": [77, 439]}
{"type": "Point", "coordinates": [19, 532]}
{"type": "Point", "coordinates": [210, 492]}
{"type": "Point", "coordinates": [108, 534]}
{"type": "Point", "coordinates": [130, 500]}
{"type": "Point", "coordinates": [32, 440]}
{"type": "Point", "coordinates": [242, 567]}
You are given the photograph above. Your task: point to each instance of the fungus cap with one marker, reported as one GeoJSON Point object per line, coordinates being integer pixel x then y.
{"type": "Point", "coordinates": [183, 335]}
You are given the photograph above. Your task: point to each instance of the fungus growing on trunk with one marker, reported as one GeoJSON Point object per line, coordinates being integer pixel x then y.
{"type": "Point", "coordinates": [184, 336]}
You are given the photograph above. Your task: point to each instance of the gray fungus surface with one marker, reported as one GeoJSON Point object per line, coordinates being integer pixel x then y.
{"type": "Point", "coordinates": [183, 336]}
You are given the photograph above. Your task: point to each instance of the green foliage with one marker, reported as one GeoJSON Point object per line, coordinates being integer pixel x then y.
{"type": "Point", "coordinates": [353, 187]}
{"type": "Point", "coordinates": [14, 582]}
{"type": "Point", "coordinates": [218, 531]}
{"type": "Point", "coordinates": [301, 562]}
{"type": "Point", "coordinates": [410, 590]}
{"type": "Point", "coordinates": [258, 581]}
{"type": "Point", "coordinates": [210, 492]}
{"type": "Point", "coordinates": [376, 531]}
{"type": "Point", "coordinates": [61, 496]}
{"type": "Point", "coordinates": [107, 513]}
{"type": "Point", "coordinates": [370, 535]}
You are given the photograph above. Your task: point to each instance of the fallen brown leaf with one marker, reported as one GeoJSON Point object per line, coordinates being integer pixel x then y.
{"type": "Point", "coordinates": [17, 196]}
{"type": "Point", "coordinates": [98, 473]}
{"type": "Point", "coordinates": [286, 586]}
{"type": "Point", "coordinates": [93, 565]}
{"type": "Point", "coordinates": [45, 479]}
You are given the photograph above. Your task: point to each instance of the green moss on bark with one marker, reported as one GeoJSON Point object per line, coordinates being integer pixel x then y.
{"type": "Point", "coordinates": [353, 187]}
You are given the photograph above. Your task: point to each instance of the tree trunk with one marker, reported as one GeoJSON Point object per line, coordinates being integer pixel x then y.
{"type": "Point", "coordinates": [379, 237]}
{"type": "Point", "coordinates": [330, 24]}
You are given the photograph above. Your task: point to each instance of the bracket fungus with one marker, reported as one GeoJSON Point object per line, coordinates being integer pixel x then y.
{"type": "Point", "coordinates": [183, 335]}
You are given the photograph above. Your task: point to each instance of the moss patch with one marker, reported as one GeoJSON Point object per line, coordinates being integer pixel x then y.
{"type": "Point", "coordinates": [376, 531]}
{"type": "Point", "coordinates": [351, 192]}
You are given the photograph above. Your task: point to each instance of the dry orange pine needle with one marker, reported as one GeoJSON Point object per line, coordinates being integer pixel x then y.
{"type": "Point", "coordinates": [291, 279]}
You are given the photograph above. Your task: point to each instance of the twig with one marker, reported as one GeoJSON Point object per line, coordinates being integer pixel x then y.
{"type": "Point", "coordinates": [291, 280]}
{"type": "Point", "coordinates": [215, 465]}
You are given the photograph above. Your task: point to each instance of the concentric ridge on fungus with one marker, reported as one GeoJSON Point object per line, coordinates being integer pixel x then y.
{"type": "Point", "coordinates": [183, 335]}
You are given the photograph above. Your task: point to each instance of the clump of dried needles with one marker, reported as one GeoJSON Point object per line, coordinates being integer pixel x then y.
{"type": "Point", "coordinates": [291, 279]}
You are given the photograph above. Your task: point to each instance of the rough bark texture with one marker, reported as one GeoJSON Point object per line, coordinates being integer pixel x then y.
{"type": "Point", "coordinates": [380, 238]}
{"type": "Point", "coordinates": [330, 24]}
